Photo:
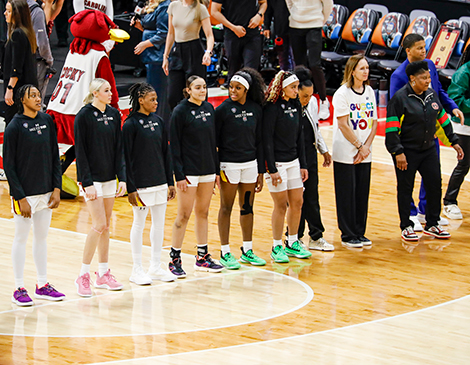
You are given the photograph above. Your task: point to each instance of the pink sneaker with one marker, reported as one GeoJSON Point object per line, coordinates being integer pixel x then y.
{"type": "Point", "coordinates": [107, 281]}
{"type": "Point", "coordinates": [83, 285]}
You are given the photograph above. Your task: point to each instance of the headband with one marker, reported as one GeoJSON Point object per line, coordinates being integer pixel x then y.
{"type": "Point", "coordinates": [241, 80]}
{"type": "Point", "coordinates": [289, 80]}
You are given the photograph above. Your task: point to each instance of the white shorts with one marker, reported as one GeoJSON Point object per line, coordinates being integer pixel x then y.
{"type": "Point", "coordinates": [105, 189]}
{"type": "Point", "coordinates": [154, 195]}
{"type": "Point", "coordinates": [37, 203]}
{"type": "Point", "coordinates": [290, 175]}
{"type": "Point", "coordinates": [239, 172]}
{"type": "Point", "coordinates": [195, 180]}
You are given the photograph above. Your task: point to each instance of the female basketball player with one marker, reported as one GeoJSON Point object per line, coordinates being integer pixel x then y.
{"type": "Point", "coordinates": [149, 179]}
{"type": "Point", "coordinates": [238, 130]}
{"type": "Point", "coordinates": [285, 160]}
{"type": "Point", "coordinates": [195, 163]}
{"type": "Point", "coordinates": [100, 160]}
{"type": "Point", "coordinates": [31, 160]}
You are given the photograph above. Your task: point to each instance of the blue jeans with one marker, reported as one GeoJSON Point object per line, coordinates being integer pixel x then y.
{"type": "Point", "coordinates": [422, 192]}
{"type": "Point", "coordinates": [157, 78]}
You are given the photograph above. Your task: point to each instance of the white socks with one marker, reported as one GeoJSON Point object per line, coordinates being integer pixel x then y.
{"type": "Point", "coordinates": [225, 249]}
{"type": "Point", "coordinates": [291, 239]}
{"type": "Point", "coordinates": [247, 245]}
{"type": "Point", "coordinates": [277, 243]}
{"type": "Point", "coordinates": [85, 269]}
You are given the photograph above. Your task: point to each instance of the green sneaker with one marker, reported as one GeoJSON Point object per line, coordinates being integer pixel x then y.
{"type": "Point", "coordinates": [229, 261]}
{"type": "Point", "coordinates": [250, 258]}
{"type": "Point", "coordinates": [278, 255]}
{"type": "Point", "coordinates": [296, 250]}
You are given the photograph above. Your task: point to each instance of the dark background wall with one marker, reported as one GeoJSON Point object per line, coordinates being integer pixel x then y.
{"type": "Point", "coordinates": [443, 9]}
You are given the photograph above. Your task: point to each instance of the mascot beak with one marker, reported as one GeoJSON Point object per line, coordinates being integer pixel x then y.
{"type": "Point", "coordinates": [118, 35]}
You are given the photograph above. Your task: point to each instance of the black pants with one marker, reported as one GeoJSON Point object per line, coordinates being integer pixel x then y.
{"type": "Point", "coordinates": [352, 186]}
{"type": "Point", "coordinates": [244, 51]}
{"type": "Point", "coordinates": [185, 61]}
{"type": "Point", "coordinates": [459, 173]}
{"type": "Point", "coordinates": [311, 206]}
{"type": "Point", "coordinates": [307, 46]}
{"type": "Point", "coordinates": [428, 165]}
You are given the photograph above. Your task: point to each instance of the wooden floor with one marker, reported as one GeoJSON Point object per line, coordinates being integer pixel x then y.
{"type": "Point", "coordinates": [393, 303]}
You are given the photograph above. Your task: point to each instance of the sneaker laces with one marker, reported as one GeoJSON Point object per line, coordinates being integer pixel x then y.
{"type": "Point", "coordinates": [85, 281]}
{"type": "Point", "coordinates": [296, 245]}
{"type": "Point", "coordinates": [49, 288]}
{"type": "Point", "coordinates": [250, 254]}
{"type": "Point", "coordinates": [111, 277]}
{"type": "Point", "coordinates": [22, 292]}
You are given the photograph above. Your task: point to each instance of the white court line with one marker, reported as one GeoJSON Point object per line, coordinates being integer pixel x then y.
{"type": "Point", "coordinates": [285, 338]}
{"type": "Point", "coordinates": [307, 288]}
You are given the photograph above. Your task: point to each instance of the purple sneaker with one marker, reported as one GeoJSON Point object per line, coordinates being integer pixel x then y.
{"type": "Point", "coordinates": [20, 297]}
{"type": "Point", "coordinates": [48, 292]}
{"type": "Point", "coordinates": [206, 263]}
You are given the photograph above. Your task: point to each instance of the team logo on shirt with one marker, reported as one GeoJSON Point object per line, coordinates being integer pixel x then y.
{"type": "Point", "coordinates": [141, 121]}
{"type": "Point", "coordinates": [290, 111]}
{"type": "Point", "coordinates": [37, 128]}
{"type": "Point", "coordinates": [435, 106]}
{"type": "Point", "coordinates": [244, 114]}
{"type": "Point", "coordinates": [95, 114]}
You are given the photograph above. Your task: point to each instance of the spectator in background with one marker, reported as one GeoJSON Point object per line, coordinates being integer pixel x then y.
{"type": "Point", "coordinates": [185, 19]}
{"type": "Point", "coordinates": [278, 11]}
{"type": "Point", "coordinates": [44, 58]}
{"type": "Point", "coordinates": [62, 25]}
{"type": "Point", "coordinates": [241, 20]}
{"type": "Point", "coordinates": [19, 66]}
{"type": "Point", "coordinates": [306, 23]}
{"type": "Point", "coordinates": [154, 26]}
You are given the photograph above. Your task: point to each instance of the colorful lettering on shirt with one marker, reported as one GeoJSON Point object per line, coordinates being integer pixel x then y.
{"type": "Point", "coordinates": [361, 115]}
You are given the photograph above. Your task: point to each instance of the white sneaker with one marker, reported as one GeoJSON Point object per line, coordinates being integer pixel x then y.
{"type": "Point", "coordinates": [421, 218]}
{"type": "Point", "coordinates": [324, 110]}
{"type": "Point", "coordinates": [442, 221]}
{"type": "Point", "coordinates": [139, 276]}
{"type": "Point", "coordinates": [156, 272]}
{"type": "Point", "coordinates": [320, 245]}
{"type": "Point", "coordinates": [452, 211]}
{"type": "Point", "coordinates": [417, 227]}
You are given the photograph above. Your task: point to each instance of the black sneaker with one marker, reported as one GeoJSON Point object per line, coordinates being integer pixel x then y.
{"type": "Point", "coordinates": [176, 268]}
{"type": "Point", "coordinates": [354, 243]}
{"type": "Point", "coordinates": [436, 231]}
{"type": "Point", "coordinates": [206, 263]}
{"type": "Point", "coordinates": [365, 241]}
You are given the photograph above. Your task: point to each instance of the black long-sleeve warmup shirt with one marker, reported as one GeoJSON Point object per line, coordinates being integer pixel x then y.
{"type": "Point", "coordinates": [283, 136]}
{"type": "Point", "coordinates": [146, 151]}
{"type": "Point", "coordinates": [239, 132]}
{"type": "Point", "coordinates": [98, 145]}
{"type": "Point", "coordinates": [192, 140]}
{"type": "Point", "coordinates": [31, 156]}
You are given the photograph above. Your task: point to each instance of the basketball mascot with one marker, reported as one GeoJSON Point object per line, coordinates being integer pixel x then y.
{"type": "Point", "coordinates": [86, 60]}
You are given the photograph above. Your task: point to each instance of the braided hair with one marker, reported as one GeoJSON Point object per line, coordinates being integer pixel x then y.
{"type": "Point", "coordinates": [257, 85]}
{"type": "Point", "coordinates": [275, 87]}
{"type": "Point", "coordinates": [136, 91]}
{"type": "Point", "coordinates": [20, 96]}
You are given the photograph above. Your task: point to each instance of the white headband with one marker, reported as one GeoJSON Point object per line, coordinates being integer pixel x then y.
{"type": "Point", "coordinates": [241, 80]}
{"type": "Point", "coordinates": [289, 80]}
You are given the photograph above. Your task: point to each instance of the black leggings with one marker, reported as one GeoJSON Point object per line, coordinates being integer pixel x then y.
{"type": "Point", "coordinates": [459, 173]}
{"type": "Point", "coordinates": [306, 46]}
{"type": "Point", "coordinates": [185, 61]}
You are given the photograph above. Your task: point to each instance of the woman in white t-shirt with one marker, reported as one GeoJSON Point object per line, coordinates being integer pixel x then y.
{"type": "Point", "coordinates": [354, 128]}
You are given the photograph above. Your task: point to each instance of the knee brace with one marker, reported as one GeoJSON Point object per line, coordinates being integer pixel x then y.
{"type": "Point", "coordinates": [247, 208]}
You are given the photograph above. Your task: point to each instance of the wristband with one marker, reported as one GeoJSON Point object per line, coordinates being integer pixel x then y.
{"type": "Point", "coordinates": [261, 15]}
{"type": "Point", "coordinates": [210, 52]}
{"type": "Point", "coordinates": [9, 87]}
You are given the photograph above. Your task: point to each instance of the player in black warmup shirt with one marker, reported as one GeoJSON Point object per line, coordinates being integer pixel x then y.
{"type": "Point", "coordinates": [193, 149]}
{"type": "Point", "coordinates": [239, 141]}
{"type": "Point", "coordinates": [284, 150]}
{"type": "Point", "coordinates": [100, 159]}
{"type": "Point", "coordinates": [149, 179]}
{"type": "Point", "coordinates": [31, 161]}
